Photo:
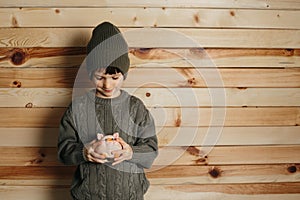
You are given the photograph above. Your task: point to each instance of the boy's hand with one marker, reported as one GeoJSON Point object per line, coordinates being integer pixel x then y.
{"type": "Point", "coordinates": [91, 155]}
{"type": "Point", "coordinates": [125, 153]}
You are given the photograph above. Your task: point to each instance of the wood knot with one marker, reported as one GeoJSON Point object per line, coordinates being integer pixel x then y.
{"type": "Point", "coordinates": [14, 22]}
{"type": "Point", "coordinates": [242, 88]}
{"type": "Point", "coordinates": [29, 105]}
{"type": "Point", "coordinates": [144, 50]}
{"type": "Point", "coordinates": [232, 13]}
{"type": "Point", "coordinates": [178, 121]}
{"type": "Point", "coordinates": [18, 57]}
{"type": "Point", "coordinates": [42, 155]}
{"type": "Point", "coordinates": [196, 18]}
{"type": "Point", "coordinates": [192, 81]}
{"type": "Point", "coordinates": [148, 94]}
{"type": "Point", "coordinates": [39, 158]}
{"type": "Point", "coordinates": [193, 151]}
{"type": "Point", "coordinates": [292, 169]}
{"type": "Point", "coordinates": [17, 84]}
{"type": "Point", "coordinates": [201, 161]}
{"type": "Point", "coordinates": [57, 11]}
{"type": "Point", "coordinates": [289, 52]}
{"type": "Point", "coordinates": [36, 161]}
{"type": "Point", "coordinates": [215, 172]}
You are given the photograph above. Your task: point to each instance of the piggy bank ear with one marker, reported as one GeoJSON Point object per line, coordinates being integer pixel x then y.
{"type": "Point", "coordinates": [99, 136]}
{"type": "Point", "coordinates": [116, 135]}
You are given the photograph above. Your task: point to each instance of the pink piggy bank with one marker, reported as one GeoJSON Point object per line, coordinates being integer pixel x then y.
{"type": "Point", "coordinates": [108, 144]}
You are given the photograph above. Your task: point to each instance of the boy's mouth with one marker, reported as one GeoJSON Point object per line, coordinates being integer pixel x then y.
{"type": "Point", "coordinates": [106, 90]}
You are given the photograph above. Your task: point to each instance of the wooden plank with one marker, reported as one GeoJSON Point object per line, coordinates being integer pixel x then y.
{"type": "Point", "coordinates": [167, 136]}
{"type": "Point", "coordinates": [139, 57]}
{"type": "Point", "coordinates": [226, 192]}
{"type": "Point", "coordinates": [212, 57]}
{"type": "Point", "coordinates": [46, 77]}
{"type": "Point", "coordinates": [35, 97]}
{"type": "Point", "coordinates": [150, 17]}
{"type": "Point", "coordinates": [154, 38]}
{"type": "Point", "coordinates": [183, 175]}
{"type": "Point", "coordinates": [47, 175]}
{"type": "Point", "coordinates": [187, 136]}
{"type": "Point", "coordinates": [183, 77]}
{"type": "Point", "coordinates": [164, 97]}
{"type": "Point", "coordinates": [29, 117]}
{"type": "Point", "coordinates": [174, 117]}
{"type": "Point", "coordinates": [259, 4]}
{"type": "Point", "coordinates": [177, 175]}
{"type": "Point", "coordinates": [34, 192]}
{"type": "Point", "coordinates": [160, 77]}
{"type": "Point", "coordinates": [41, 57]}
{"type": "Point", "coordinates": [244, 188]}
{"type": "Point", "coordinates": [227, 155]}
{"type": "Point", "coordinates": [43, 137]}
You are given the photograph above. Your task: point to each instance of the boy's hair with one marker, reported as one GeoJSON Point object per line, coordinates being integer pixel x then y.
{"type": "Point", "coordinates": [112, 70]}
{"type": "Point", "coordinates": [108, 70]}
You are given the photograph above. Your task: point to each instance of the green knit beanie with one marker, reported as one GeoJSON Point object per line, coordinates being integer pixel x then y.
{"type": "Point", "coordinates": [107, 47]}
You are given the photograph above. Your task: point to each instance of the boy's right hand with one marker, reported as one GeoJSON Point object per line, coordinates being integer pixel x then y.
{"type": "Point", "coordinates": [91, 155]}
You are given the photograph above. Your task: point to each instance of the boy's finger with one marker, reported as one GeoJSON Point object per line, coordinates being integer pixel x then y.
{"type": "Point", "coordinates": [117, 162]}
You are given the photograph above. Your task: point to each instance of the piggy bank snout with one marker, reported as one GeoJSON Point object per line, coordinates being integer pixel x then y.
{"type": "Point", "coordinates": [107, 146]}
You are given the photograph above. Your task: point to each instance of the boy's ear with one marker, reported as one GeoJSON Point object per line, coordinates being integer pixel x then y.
{"type": "Point", "coordinates": [99, 136]}
{"type": "Point", "coordinates": [116, 135]}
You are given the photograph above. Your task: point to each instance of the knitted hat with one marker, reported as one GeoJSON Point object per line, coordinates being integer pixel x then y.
{"type": "Point", "coordinates": [107, 47]}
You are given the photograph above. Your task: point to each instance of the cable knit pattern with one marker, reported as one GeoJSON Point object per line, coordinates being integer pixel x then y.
{"type": "Point", "coordinates": [89, 115]}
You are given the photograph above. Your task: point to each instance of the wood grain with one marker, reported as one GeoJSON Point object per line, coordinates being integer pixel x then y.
{"type": "Point", "coordinates": [145, 57]}
{"type": "Point", "coordinates": [184, 156]}
{"type": "Point", "coordinates": [258, 4]}
{"type": "Point", "coordinates": [226, 192]}
{"type": "Point", "coordinates": [155, 38]}
{"type": "Point", "coordinates": [167, 136]}
{"type": "Point", "coordinates": [150, 17]}
{"type": "Point", "coordinates": [230, 191]}
{"type": "Point", "coordinates": [162, 97]}
{"type": "Point", "coordinates": [177, 175]}
{"type": "Point", "coordinates": [187, 58]}
{"type": "Point", "coordinates": [161, 77]}
{"type": "Point", "coordinates": [173, 117]}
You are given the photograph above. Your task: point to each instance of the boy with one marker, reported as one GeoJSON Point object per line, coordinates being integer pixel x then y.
{"type": "Point", "coordinates": [107, 109]}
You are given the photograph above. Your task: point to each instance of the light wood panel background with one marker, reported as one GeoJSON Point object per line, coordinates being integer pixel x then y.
{"type": "Point", "coordinates": [226, 65]}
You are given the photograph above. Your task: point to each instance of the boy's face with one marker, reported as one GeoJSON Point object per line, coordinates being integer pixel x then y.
{"type": "Point", "coordinates": [107, 85]}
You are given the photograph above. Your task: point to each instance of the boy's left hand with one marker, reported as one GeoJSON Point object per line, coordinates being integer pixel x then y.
{"type": "Point", "coordinates": [125, 153]}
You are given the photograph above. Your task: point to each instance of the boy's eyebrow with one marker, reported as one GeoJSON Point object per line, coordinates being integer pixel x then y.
{"type": "Point", "coordinates": [104, 75]}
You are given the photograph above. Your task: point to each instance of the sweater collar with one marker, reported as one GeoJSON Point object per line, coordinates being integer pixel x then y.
{"type": "Point", "coordinates": [105, 101]}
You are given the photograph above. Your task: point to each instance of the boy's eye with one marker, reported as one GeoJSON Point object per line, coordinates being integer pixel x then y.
{"type": "Point", "coordinates": [115, 78]}
{"type": "Point", "coordinates": [98, 78]}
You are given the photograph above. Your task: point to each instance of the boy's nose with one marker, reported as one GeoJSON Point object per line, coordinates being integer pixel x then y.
{"type": "Point", "coordinates": [106, 84]}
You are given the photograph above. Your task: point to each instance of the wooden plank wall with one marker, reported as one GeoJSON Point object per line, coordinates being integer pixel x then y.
{"type": "Point", "coordinates": [255, 46]}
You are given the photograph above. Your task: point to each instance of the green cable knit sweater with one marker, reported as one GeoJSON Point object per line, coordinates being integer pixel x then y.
{"type": "Point", "coordinates": [89, 115]}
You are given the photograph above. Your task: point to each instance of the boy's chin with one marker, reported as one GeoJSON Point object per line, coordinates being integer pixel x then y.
{"type": "Point", "coordinates": [104, 95]}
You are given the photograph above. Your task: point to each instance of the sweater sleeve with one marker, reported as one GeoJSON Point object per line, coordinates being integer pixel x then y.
{"type": "Point", "coordinates": [70, 148]}
{"type": "Point", "coordinates": [145, 149]}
